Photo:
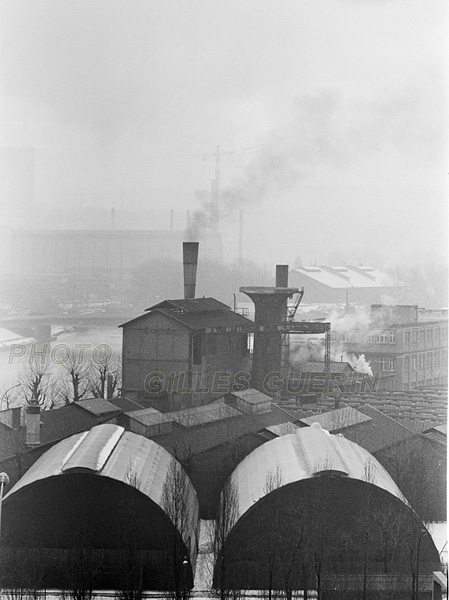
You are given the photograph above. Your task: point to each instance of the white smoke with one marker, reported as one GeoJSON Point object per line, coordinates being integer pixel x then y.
{"type": "Point", "coordinates": [356, 322]}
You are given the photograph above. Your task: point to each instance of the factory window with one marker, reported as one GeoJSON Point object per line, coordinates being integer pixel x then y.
{"type": "Point", "coordinates": [429, 335]}
{"type": "Point", "coordinates": [436, 359]}
{"type": "Point", "coordinates": [444, 357]}
{"type": "Point", "coordinates": [407, 338]}
{"type": "Point", "coordinates": [245, 344]}
{"type": "Point", "coordinates": [414, 336]}
{"type": "Point", "coordinates": [419, 361]}
{"type": "Point", "coordinates": [384, 364]}
{"type": "Point", "coordinates": [373, 339]}
{"type": "Point", "coordinates": [407, 363]}
{"type": "Point", "coordinates": [414, 361]}
{"type": "Point", "coordinates": [212, 343]}
{"type": "Point", "coordinates": [429, 359]}
{"type": "Point", "coordinates": [391, 364]}
{"type": "Point", "coordinates": [437, 334]}
{"type": "Point", "coordinates": [444, 333]}
{"type": "Point", "coordinates": [422, 336]}
{"type": "Point", "coordinates": [196, 349]}
{"type": "Point", "coordinates": [383, 338]}
{"type": "Point", "coordinates": [392, 337]}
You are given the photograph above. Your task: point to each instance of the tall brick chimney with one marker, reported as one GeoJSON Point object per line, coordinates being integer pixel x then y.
{"type": "Point", "coordinates": [190, 263]}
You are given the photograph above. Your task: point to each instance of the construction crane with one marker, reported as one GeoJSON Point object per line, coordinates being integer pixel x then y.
{"type": "Point", "coordinates": [215, 183]}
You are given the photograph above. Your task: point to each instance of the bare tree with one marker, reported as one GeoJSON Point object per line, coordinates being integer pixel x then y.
{"type": "Point", "coordinates": [75, 386]}
{"type": "Point", "coordinates": [177, 504]}
{"type": "Point", "coordinates": [227, 516]}
{"type": "Point", "coordinates": [37, 385]}
{"type": "Point", "coordinates": [100, 374]}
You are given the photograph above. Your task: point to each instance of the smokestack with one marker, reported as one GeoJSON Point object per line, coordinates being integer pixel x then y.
{"type": "Point", "coordinates": [109, 386]}
{"type": "Point", "coordinates": [282, 276]}
{"type": "Point", "coordinates": [33, 424]}
{"type": "Point", "coordinates": [190, 262]}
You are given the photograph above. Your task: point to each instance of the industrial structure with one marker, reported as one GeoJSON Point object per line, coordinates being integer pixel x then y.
{"type": "Point", "coordinates": [406, 346]}
{"type": "Point", "coordinates": [103, 509]}
{"type": "Point", "coordinates": [315, 511]}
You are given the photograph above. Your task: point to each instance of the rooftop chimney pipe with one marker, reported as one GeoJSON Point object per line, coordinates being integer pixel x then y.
{"type": "Point", "coordinates": [190, 262]}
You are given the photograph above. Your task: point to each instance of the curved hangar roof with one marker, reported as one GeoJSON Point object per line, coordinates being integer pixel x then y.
{"type": "Point", "coordinates": [307, 453]}
{"type": "Point", "coordinates": [92, 477]}
{"type": "Point", "coordinates": [300, 493]}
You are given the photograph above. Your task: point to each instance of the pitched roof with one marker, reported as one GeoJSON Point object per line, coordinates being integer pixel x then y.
{"type": "Point", "coordinates": [252, 396]}
{"type": "Point", "coordinates": [344, 276]}
{"type": "Point", "coordinates": [319, 367]}
{"type": "Point", "coordinates": [336, 420]}
{"type": "Point", "coordinates": [98, 406]}
{"type": "Point", "coordinates": [378, 433]}
{"type": "Point", "coordinates": [197, 313]}
{"type": "Point", "coordinates": [210, 435]}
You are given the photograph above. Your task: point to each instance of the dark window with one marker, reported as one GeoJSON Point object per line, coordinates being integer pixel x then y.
{"type": "Point", "coordinates": [212, 343]}
{"type": "Point", "coordinates": [196, 349]}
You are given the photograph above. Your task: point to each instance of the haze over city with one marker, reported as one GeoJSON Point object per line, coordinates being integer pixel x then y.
{"type": "Point", "coordinates": [336, 113]}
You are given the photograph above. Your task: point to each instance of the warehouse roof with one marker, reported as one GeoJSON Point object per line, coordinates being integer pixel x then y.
{"type": "Point", "coordinates": [344, 276]}
{"type": "Point", "coordinates": [309, 452]}
{"type": "Point", "coordinates": [98, 406]}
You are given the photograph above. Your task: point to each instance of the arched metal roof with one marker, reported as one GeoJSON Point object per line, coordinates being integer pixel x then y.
{"type": "Point", "coordinates": [307, 453]}
{"type": "Point", "coordinates": [110, 451]}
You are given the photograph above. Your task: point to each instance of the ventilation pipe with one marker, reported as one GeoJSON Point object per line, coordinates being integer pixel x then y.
{"type": "Point", "coordinates": [190, 262]}
{"type": "Point", "coordinates": [32, 424]}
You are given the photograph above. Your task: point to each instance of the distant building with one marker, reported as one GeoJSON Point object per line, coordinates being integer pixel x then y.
{"type": "Point", "coordinates": [406, 347]}
{"type": "Point", "coordinates": [188, 349]}
{"type": "Point", "coordinates": [357, 285]}
{"type": "Point", "coordinates": [85, 252]}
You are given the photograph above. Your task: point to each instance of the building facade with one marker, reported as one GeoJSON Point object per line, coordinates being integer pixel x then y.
{"type": "Point", "coordinates": [189, 350]}
{"type": "Point", "coordinates": [408, 349]}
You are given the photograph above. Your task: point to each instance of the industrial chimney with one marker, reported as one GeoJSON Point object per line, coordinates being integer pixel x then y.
{"type": "Point", "coordinates": [190, 262]}
{"type": "Point", "coordinates": [32, 424]}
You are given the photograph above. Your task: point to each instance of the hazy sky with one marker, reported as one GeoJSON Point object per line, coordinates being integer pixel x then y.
{"type": "Point", "coordinates": [342, 102]}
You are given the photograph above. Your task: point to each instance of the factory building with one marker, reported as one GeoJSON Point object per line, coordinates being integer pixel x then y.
{"type": "Point", "coordinates": [338, 285]}
{"type": "Point", "coordinates": [314, 511]}
{"type": "Point", "coordinates": [405, 346]}
{"type": "Point", "coordinates": [103, 509]}
{"type": "Point", "coordinates": [183, 352]}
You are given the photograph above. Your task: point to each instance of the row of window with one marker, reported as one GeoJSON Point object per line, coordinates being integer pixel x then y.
{"type": "Point", "coordinates": [386, 337]}
{"type": "Point", "coordinates": [425, 360]}
{"type": "Point", "coordinates": [429, 335]}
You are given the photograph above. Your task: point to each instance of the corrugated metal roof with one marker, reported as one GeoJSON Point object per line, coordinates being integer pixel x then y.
{"type": "Point", "coordinates": [110, 451]}
{"type": "Point", "coordinates": [340, 418]}
{"type": "Point", "coordinates": [97, 406]}
{"type": "Point", "coordinates": [252, 396]}
{"type": "Point", "coordinates": [302, 455]}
